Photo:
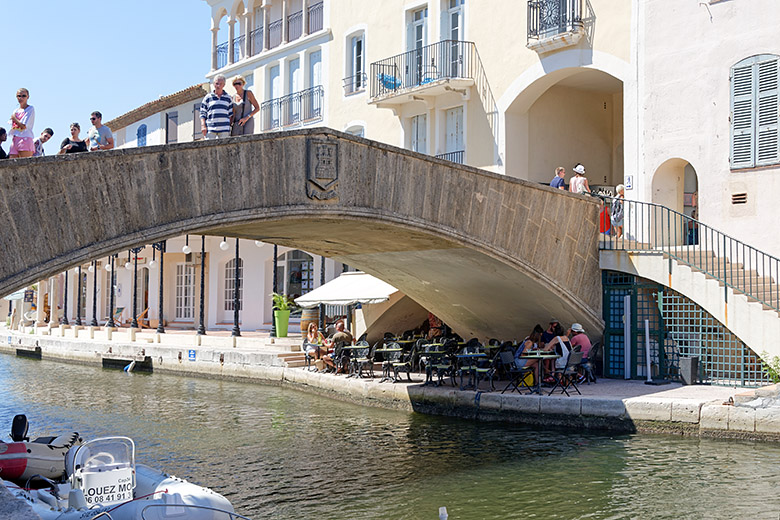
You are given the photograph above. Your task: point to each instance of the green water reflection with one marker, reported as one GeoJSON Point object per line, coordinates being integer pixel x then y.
{"type": "Point", "coordinates": [277, 453]}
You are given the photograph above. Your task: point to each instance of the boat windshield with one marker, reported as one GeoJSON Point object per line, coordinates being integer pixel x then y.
{"type": "Point", "coordinates": [105, 454]}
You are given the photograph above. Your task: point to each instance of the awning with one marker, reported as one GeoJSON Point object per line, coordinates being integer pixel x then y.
{"type": "Point", "coordinates": [18, 295]}
{"type": "Point", "coordinates": [348, 289]}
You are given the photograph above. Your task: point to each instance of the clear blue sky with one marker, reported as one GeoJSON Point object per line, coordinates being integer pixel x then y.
{"type": "Point", "coordinates": [111, 56]}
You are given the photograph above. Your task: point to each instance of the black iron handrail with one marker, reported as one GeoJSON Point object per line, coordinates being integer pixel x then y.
{"type": "Point", "coordinates": [655, 228]}
{"type": "Point", "coordinates": [355, 83]}
{"type": "Point", "coordinates": [547, 18]}
{"type": "Point", "coordinates": [456, 157]}
{"type": "Point", "coordinates": [293, 109]}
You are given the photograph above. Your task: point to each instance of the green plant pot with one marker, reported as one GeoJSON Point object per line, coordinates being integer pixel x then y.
{"type": "Point", "coordinates": [281, 320]}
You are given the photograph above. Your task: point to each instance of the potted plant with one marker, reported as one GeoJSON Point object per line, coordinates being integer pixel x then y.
{"type": "Point", "coordinates": [282, 306]}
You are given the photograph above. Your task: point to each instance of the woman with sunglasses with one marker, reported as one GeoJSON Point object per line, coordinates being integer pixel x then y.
{"type": "Point", "coordinates": [245, 106]}
{"type": "Point", "coordinates": [22, 121]}
{"type": "Point", "coordinates": [73, 144]}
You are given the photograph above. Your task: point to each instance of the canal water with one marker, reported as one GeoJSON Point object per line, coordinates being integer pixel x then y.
{"type": "Point", "coordinates": [281, 454]}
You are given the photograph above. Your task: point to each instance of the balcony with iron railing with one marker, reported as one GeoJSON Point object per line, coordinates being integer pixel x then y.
{"type": "Point", "coordinates": [294, 23]}
{"type": "Point", "coordinates": [445, 67]}
{"type": "Point", "coordinates": [296, 109]}
{"type": "Point", "coordinates": [355, 83]}
{"type": "Point", "coordinates": [553, 24]}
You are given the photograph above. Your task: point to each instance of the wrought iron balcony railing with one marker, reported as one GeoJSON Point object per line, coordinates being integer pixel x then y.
{"type": "Point", "coordinates": [298, 108]}
{"type": "Point", "coordinates": [315, 17]}
{"type": "Point", "coordinates": [547, 18]}
{"type": "Point", "coordinates": [238, 47]}
{"type": "Point", "coordinates": [275, 34]}
{"type": "Point", "coordinates": [256, 42]}
{"type": "Point", "coordinates": [222, 54]}
{"type": "Point", "coordinates": [355, 83]}
{"type": "Point", "coordinates": [294, 26]}
{"type": "Point", "coordinates": [456, 157]}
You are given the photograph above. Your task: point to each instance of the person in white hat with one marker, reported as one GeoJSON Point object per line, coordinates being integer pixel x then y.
{"type": "Point", "coordinates": [577, 337]}
{"type": "Point", "coordinates": [579, 183]}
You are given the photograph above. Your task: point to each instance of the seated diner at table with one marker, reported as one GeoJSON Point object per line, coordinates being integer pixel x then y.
{"type": "Point", "coordinates": [580, 339]}
{"type": "Point", "coordinates": [561, 345]}
{"type": "Point", "coordinates": [314, 341]}
{"type": "Point", "coordinates": [531, 342]}
{"type": "Point", "coordinates": [340, 337]}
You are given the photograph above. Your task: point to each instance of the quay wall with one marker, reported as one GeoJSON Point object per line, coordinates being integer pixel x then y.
{"type": "Point", "coordinates": [627, 415]}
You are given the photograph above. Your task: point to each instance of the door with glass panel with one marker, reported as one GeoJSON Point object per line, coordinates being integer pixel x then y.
{"type": "Point", "coordinates": [232, 271]}
{"type": "Point", "coordinates": [417, 35]}
{"type": "Point", "coordinates": [292, 106]}
{"type": "Point", "coordinates": [454, 58]}
{"type": "Point", "coordinates": [419, 130]}
{"type": "Point", "coordinates": [185, 292]}
{"type": "Point", "coordinates": [455, 144]}
{"type": "Point", "coordinates": [312, 102]}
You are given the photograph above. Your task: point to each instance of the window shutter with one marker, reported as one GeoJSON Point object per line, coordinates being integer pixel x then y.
{"type": "Point", "coordinates": [742, 123]}
{"type": "Point", "coordinates": [767, 144]}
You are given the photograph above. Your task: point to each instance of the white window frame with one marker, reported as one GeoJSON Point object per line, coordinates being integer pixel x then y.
{"type": "Point", "coordinates": [185, 292]}
{"type": "Point", "coordinates": [230, 284]}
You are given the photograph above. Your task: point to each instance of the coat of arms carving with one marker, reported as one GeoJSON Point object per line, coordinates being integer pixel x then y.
{"type": "Point", "coordinates": [322, 175]}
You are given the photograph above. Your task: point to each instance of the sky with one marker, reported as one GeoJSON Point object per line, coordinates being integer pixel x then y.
{"type": "Point", "coordinates": [109, 55]}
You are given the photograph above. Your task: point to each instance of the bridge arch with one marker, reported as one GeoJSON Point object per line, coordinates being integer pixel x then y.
{"type": "Point", "coordinates": [488, 254]}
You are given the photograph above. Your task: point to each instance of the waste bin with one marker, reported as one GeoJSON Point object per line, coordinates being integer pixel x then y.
{"type": "Point", "coordinates": [689, 370]}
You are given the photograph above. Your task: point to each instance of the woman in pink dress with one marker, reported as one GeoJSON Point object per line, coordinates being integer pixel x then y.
{"type": "Point", "coordinates": [22, 121]}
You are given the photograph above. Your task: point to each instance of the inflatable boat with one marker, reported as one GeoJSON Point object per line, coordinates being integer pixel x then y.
{"type": "Point", "coordinates": [21, 458]}
{"type": "Point", "coordinates": [102, 480]}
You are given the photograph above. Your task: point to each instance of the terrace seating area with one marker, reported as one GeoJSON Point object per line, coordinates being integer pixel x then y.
{"type": "Point", "coordinates": [465, 365]}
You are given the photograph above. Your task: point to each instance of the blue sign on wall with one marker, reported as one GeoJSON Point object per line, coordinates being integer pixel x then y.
{"type": "Point", "coordinates": [192, 355]}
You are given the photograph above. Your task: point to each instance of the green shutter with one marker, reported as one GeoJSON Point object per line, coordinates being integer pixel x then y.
{"type": "Point", "coordinates": [742, 123]}
{"type": "Point", "coordinates": [767, 144]}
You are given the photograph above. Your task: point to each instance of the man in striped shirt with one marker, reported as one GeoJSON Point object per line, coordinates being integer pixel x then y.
{"type": "Point", "coordinates": [216, 111]}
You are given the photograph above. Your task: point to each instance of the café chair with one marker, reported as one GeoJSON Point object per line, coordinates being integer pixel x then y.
{"type": "Point", "coordinates": [564, 377]}
{"type": "Point", "coordinates": [517, 376]}
{"type": "Point", "coordinates": [404, 363]}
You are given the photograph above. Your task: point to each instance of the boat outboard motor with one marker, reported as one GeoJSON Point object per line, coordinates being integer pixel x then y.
{"type": "Point", "coordinates": [19, 428]}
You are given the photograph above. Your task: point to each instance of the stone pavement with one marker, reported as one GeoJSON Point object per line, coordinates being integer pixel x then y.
{"type": "Point", "coordinates": [12, 508]}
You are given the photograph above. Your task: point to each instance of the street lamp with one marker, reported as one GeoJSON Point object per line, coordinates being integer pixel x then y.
{"type": "Point", "coordinates": [78, 299]}
{"type": "Point", "coordinates": [64, 320]}
{"type": "Point", "coordinates": [201, 326]}
{"type": "Point", "coordinates": [160, 246]}
{"type": "Point", "coordinates": [112, 284]}
{"type": "Point", "coordinates": [224, 245]}
{"type": "Point", "coordinates": [94, 271]}
{"type": "Point", "coordinates": [135, 251]}
{"type": "Point", "coordinates": [186, 249]}
{"type": "Point", "coordinates": [236, 286]}
{"type": "Point", "coordinates": [275, 290]}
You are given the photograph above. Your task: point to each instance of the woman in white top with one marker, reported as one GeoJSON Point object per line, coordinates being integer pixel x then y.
{"type": "Point", "coordinates": [22, 121]}
{"type": "Point", "coordinates": [579, 183]}
{"type": "Point", "coordinates": [245, 106]}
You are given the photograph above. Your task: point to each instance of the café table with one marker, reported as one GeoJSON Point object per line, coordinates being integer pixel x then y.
{"type": "Point", "coordinates": [539, 355]}
{"type": "Point", "coordinates": [349, 351]}
{"type": "Point", "coordinates": [472, 373]}
{"type": "Point", "coordinates": [385, 366]}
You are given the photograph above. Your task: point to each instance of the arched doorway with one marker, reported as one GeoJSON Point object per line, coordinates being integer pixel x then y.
{"type": "Point", "coordinates": [675, 185]}
{"type": "Point", "coordinates": [569, 109]}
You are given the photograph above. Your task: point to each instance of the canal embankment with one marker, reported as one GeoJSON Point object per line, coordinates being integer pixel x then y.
{"type": "Point", "coordinates": [614, 405]}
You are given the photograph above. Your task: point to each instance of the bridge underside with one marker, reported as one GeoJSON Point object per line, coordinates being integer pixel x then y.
{"type": "Point", "coordinates": [473, 292]}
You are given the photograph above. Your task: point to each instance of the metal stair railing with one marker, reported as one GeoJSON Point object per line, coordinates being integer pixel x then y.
{"type": "Point", "coordinates": [651, 227]}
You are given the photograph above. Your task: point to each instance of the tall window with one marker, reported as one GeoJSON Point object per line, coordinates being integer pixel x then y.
{"type": "Point", "coordinates": [185, 292]}
{"type": "Point", "coordinates": [755, 112]}
{"type": "Point", "coordinates": [356, 64]}
{"type": "Point", "coordinates": [171, 127]}
{"type": "Point", "coordinates": [230, 284]}
{"type": "Point", "coordinates": [196, 128]}
{"type": "Point", "coordinates": [454, 122]}
{"type": "Point", "coordinates": [419, 141]}
{"type": "Point", "coordinates": [140, 136]}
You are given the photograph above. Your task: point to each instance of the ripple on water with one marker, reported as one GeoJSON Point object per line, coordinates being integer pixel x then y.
{"type": "Point", "coordinates": [277, 453]}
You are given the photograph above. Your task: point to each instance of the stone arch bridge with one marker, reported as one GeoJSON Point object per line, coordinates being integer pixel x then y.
{"type": "Point", "coordinates": [490, 255]}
